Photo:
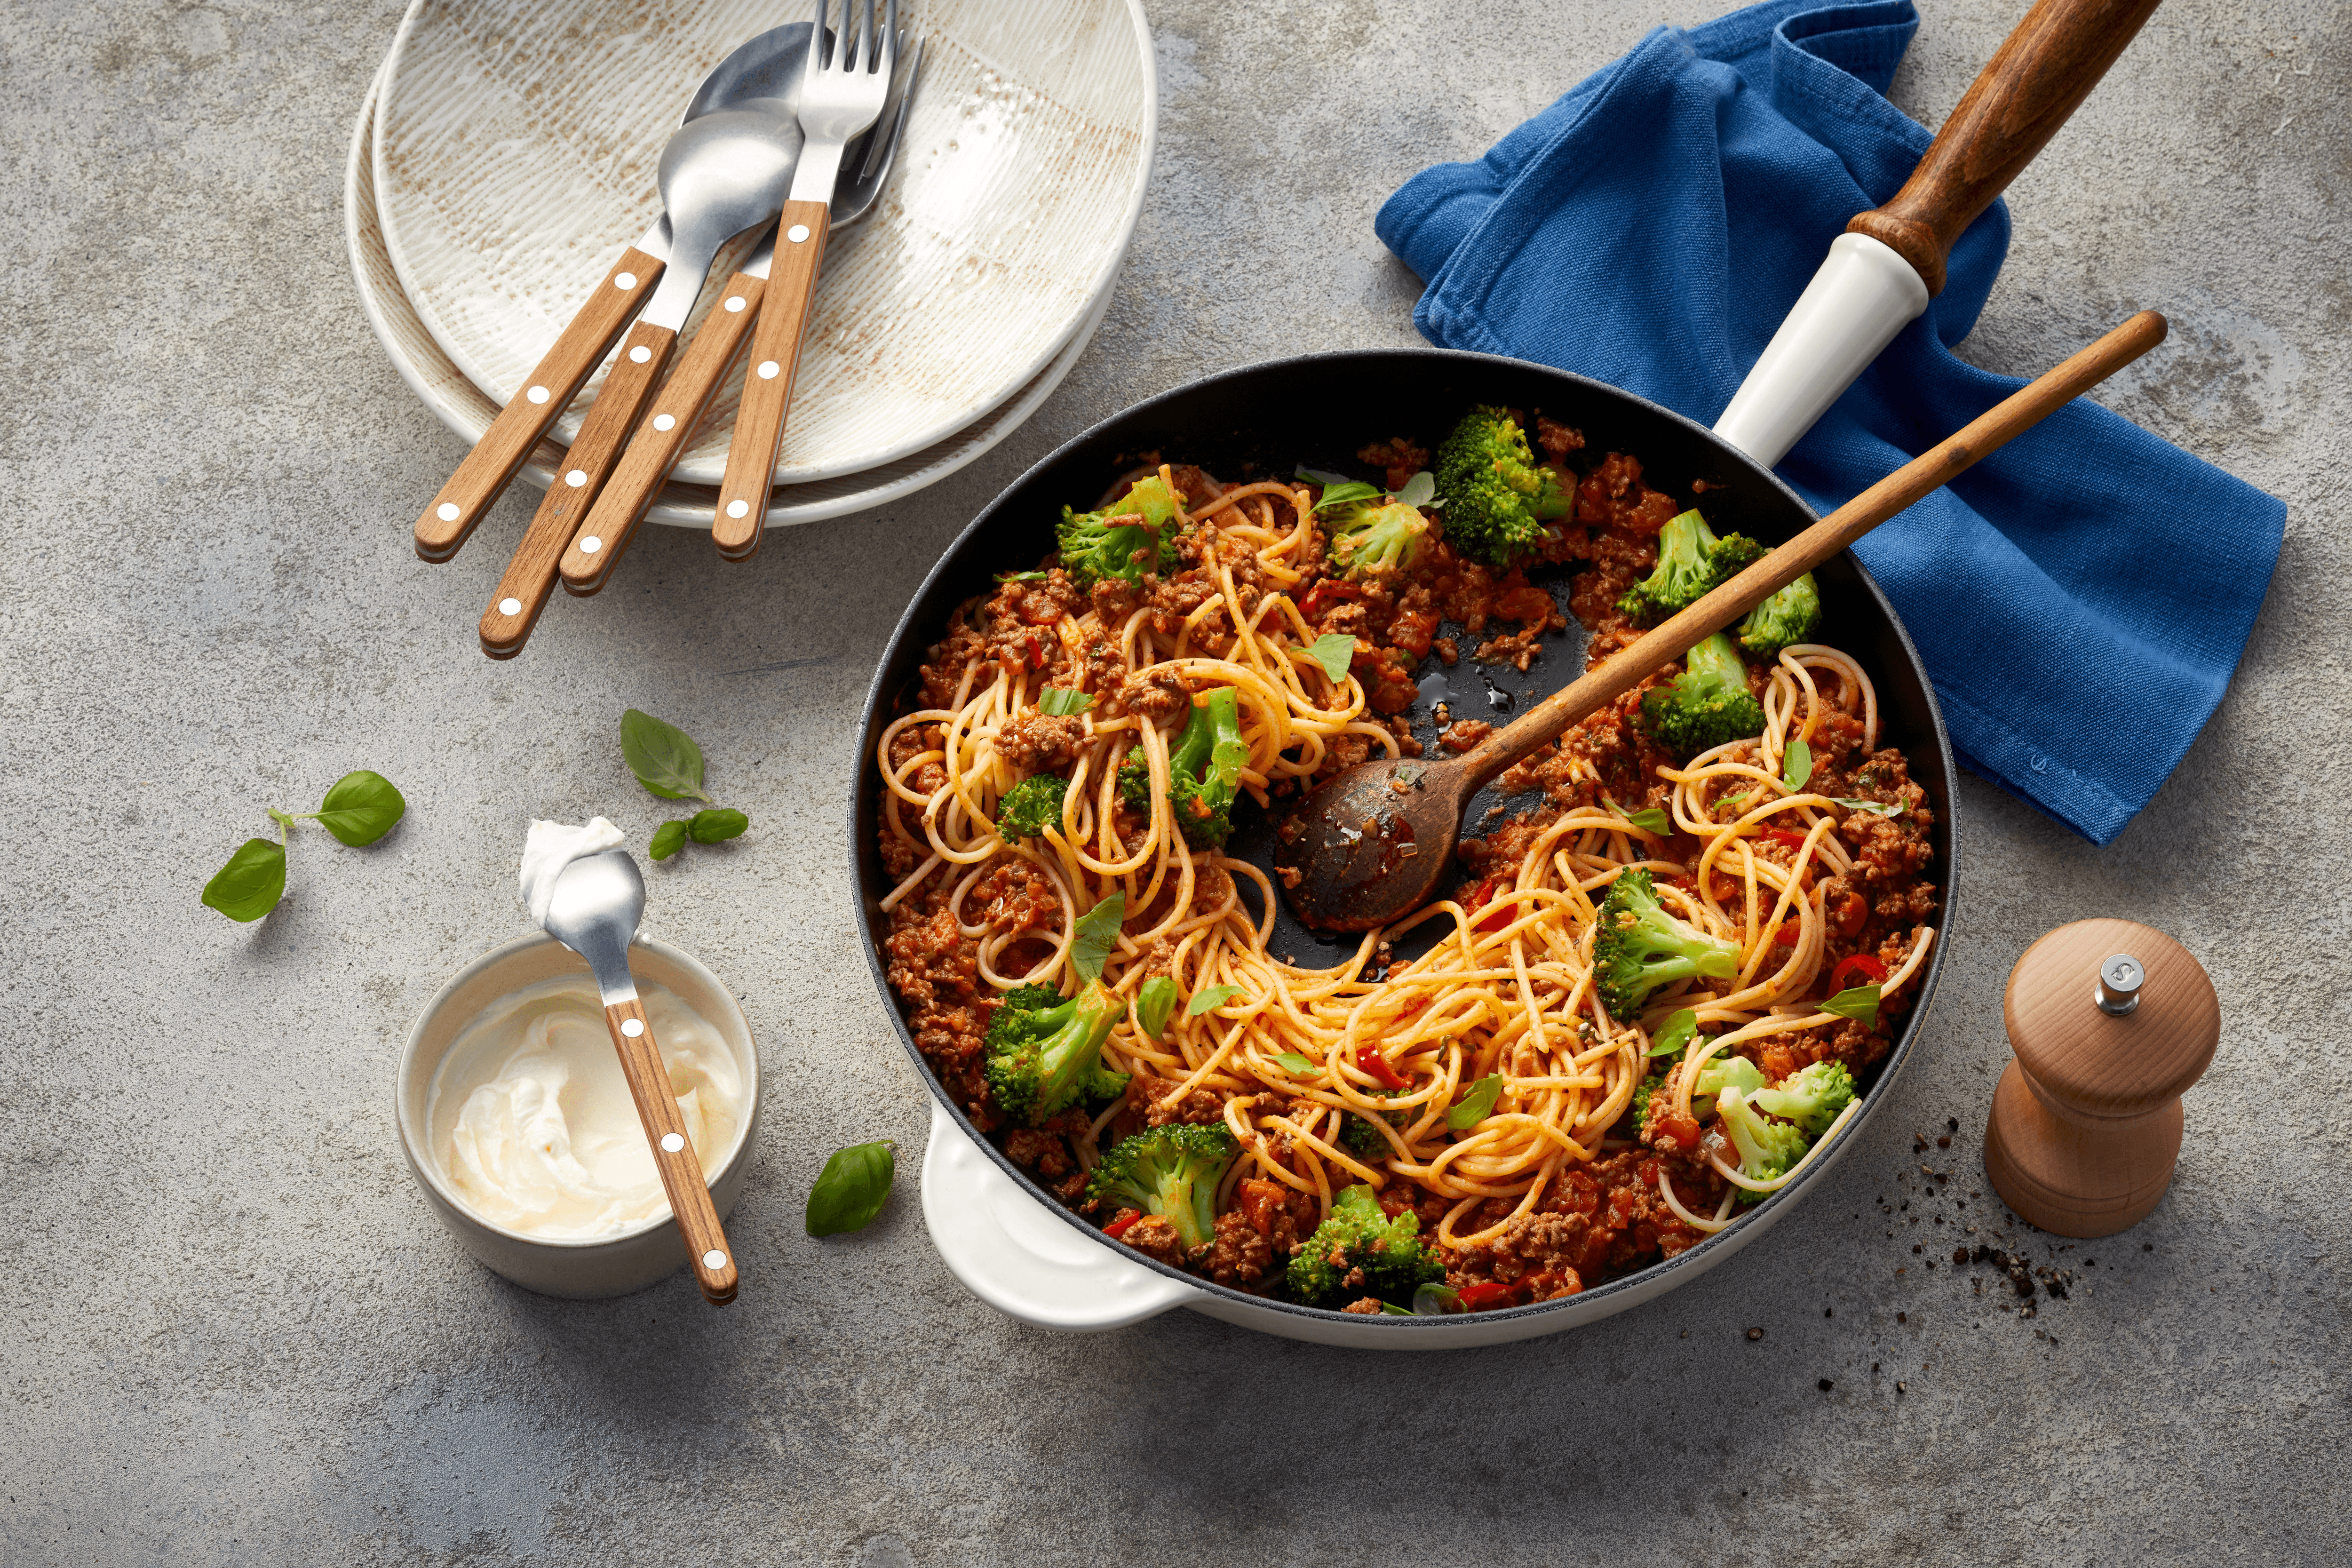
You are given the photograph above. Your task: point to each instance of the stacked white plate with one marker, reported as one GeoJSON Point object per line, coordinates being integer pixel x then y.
{"type": "Point", "coordinates": [505, 155]}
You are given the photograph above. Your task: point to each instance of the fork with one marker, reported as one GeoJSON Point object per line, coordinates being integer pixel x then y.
{"type": "Point", "coordinates": [844, 84]}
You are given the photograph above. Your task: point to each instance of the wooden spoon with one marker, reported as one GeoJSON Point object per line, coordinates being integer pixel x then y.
{"type": "Point", "coordinates": [1370, 845]}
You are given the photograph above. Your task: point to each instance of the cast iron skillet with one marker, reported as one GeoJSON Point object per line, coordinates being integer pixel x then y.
{"type": "Point", "coordinates": [1266, 420]}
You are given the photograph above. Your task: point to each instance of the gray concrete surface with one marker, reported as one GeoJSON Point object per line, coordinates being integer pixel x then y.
{"type": "Point", "coordinates": [234, 1333]}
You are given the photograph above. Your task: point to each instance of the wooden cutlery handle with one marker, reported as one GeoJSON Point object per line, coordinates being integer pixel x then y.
{"type": "Point", "coordinates": [2034, 81]}
{"type": "Point", "coordinates": [707, 1254]}
{"type": "Point", "coordinates": [529, 577]}
{"type": "Point", "coordinates": [678, 409]}
{"type": "Point", "coordinates": [554, 382]}
{"type": "Point", "coordinates": [776, 345]}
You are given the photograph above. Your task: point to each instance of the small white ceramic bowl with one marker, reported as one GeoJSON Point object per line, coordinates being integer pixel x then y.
{"type": "Point", "coordinates": [582, 1270]}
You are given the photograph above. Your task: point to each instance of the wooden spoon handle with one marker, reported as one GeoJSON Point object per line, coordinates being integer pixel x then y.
{"type": "Point", "coordinates": [522, 593]}
{"type": "Point", "coordinates": [2042, 71]}
{"type": "Point", "coordinates": [1941, 463]}
{"type": "Point", "coordinates": [598, 544]}
{"type": "Point", "coordinates": [776, 347]}
{"type": "Point", "coordinates": [712, 1261]}
{"type": "Point", "coordinates": [554, 382]}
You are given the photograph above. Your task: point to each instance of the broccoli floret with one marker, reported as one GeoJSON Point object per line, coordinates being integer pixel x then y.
{"type": "Point", "coordinates": [1173, 1172]}
{"type": "Point", "coordinates": [1708, 704]}
{"type": "Point", "coordinates": [1360, 1252]}
{"type": "Point", "coordinates": [1766, 1147]}
{"type": "Point", "coordinates": [1360, 1137]}
{"type": "Point", "coordinates": [1204, 769]}
{"type": "Point", "coordinates": [1495, 493]}
{"type": "Point", "coordinates": [1692, 562]}
{"type": "Point", "coordinates": [1031, 806]}
{"type": "Point", "coordinates": [1792, 614]}
{"type": "Point", "coordinates": [1045, 1054]}
{"type": "Point", "coordinates": [1811, 1098]}
{"type": "Point", "coordinates": [1726, 1073]}
{"type": "Point", "coordinates": [1645, 1094]}
{"type": "Point", "coordinates": [1375, 541]}
{"type": "Point", "coordinates": [1147, 517]}
{"type": "Point", "coordinates": [1640, 947]}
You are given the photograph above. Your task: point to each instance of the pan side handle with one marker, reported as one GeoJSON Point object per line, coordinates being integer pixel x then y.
{"type": "Point", "coordinates": [1021, 1260]}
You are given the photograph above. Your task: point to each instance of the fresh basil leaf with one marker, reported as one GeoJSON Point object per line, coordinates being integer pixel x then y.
{"type": "Point", "coordinates": [1731, 801]}
{"type": "Point", "coordinates": [1476, 1104]}
{"type": "Point", "coordinates": [1796, 765]}
{"type": "Point", "coordinates": [1297, 1066]}
{"type": "Point", "coordinates": [361, 808]}
{"type": "Point", "coordinates": [1097, 934]}
{"type": "Point", "coordinates": [250, 885]}
{"type": "Point", "coordinates": [1153, 1003]}
{"type": "Point", "coordinates": [1880, 806]}
{"type": "Point", "coordinates": [1389, 1309]}
{"type": "Point", "coordinates": [1350, 493]}
{"type": "Point", "coordinates": [663, 756]}
{"type": "Point", "coordinates": [1652, 820]}
{"type": "Point", "coordinates": [1434, 1301]}
{"type": "Point", "coordinates": [717, 826]}
{"type": "Point", "coordinates": [1321, 478]}
{"type": "Point", "coordinates": [1859, 1003]}
{"type": "Point", "coordinates": [1419, 489]}
{"type": "Point", "coordinates": [1215, 996]}
{"type": "Point", "coordinates": [668, 839]}
{"type": "Point", "coordinates": [1335, 651]}
{"type": "Point", "coordinates": [1060, 702]}
{"type": "Point", "coordinates": [1021, 577]}
{"type": "Point", "coordinates": [852, 1188]}
{"type": "Point", "coordinates": [1674, 1034]}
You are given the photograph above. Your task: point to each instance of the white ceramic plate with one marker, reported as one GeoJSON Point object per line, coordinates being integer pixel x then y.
{"type": "Point", "coordinates": [467, 411]}
{"type": "Point", "coordinates": [514, 155]}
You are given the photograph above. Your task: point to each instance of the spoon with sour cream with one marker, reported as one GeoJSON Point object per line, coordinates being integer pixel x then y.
{"type": "Point", "coordinates": [589, 895]}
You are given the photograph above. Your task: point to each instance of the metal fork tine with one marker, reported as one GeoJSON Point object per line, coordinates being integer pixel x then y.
{"type": "Point", "coordinates": [813, 61]}
{"type": "Point", "coordinates": [882, 141]}
{"type": "Point", "coordinates": [891, 41]}
{"type": "Point", "coordinates": [865, 39]}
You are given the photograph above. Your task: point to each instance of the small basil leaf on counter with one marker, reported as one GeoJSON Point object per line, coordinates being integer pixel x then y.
{"type": "Point", "coordinates": [717, 826]}
{"type": "Point", "coordinates": [852, 1188]}
{"type": "Point", "coordinates": [1880, 806]}
{"type": "Point", "coordinates": [1097, 934]}
{"type": "Point", "coordinates": [1420, 489]}
{"type": "Point", "coordinates": [1153, 1003]}
{"type": "Point", "coordinates": [250, 885]}
{"type": "Point", "coordinates": [1674, 1034]}
{"type": "Point", "coordinates": [1335, 651]}
{"type": "Point", "coordinates": [663, 756]}
{"type": "Point", "coordinates": [1297, 1066]}
{"type": "Point", "coordinates": [1796, 765]}
{"type": "Point", "coordinates": [1060, 702]}
{"type": "Point", "coordinates": [1434, 1301]}
{"type": "Point", "coordinates": [668, 839]}
{"type": "Point", "coordinates": [1476, 1104]}
{"type": "Point", "coordinates": [1651, 820]}
{"type": "Point", "coordinates": [361, 808]}
{"type": "Point", "coordinates": [1859, 1003]}
{"type": "Point", "coordinates": [1215, 996]}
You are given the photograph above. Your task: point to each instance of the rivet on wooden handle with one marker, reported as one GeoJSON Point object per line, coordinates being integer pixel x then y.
{"type": "Point", "coordinates": [682, 1176]}
{"type": "Point", "coordinates": [776, 346]}
{"type": "Point", "coordinates": [2040, 74]}
{"type": "Point", "coordinates": [661, 437]}
{"type": "Point", "coordinates": [553, 382]}
{"type": "Point", "coordinates": [522, 592]}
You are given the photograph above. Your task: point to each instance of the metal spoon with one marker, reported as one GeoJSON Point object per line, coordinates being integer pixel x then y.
{"type": "Point", "coordinates": [597, 902]}
{"type": "Point", "coordinates": [1370, 846]}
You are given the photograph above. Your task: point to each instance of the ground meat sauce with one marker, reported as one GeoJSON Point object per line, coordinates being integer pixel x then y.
{"type": "Point", "coordinates": [1594, 1223]}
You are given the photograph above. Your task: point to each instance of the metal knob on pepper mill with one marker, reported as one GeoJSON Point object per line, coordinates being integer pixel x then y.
{"type": "Point", "coordinates": [2111, 1021]}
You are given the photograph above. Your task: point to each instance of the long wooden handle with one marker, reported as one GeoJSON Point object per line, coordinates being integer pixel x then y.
{"type": "Point", "coordinates": [554, 382]}
{"type": "Point", "coordinates": [1940, 464]}
{"type": "Point", "coordinates": [2044, 69]}
{"type": "Point", "coordinates": [522, 592]}
{"type": "Point", "coordinates": [712, 1261]}
{"type": "Point", "coordinates": [776, 347]}
{"type": "Point", "coordinates": [603, 536]}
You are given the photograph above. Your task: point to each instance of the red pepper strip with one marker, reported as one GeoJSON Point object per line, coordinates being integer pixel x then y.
{"type": "Point", "coordinates": [1118, 1227]}
{"type": "Point", "coordinates": [1789, 933]}
{"type": "Point", "coordinates": [1324, 594]}
{"type": "Point", "coordinates": [1370, 1060]}
{"type": "Point", "coordinates": [1478, 900]}
{"type": "Point", "coordinates": [1493, 1293]}
{"type": "Point", "coordinates": [1782, 835]}
{"type": "Point", "coordinates": [1860, 961]}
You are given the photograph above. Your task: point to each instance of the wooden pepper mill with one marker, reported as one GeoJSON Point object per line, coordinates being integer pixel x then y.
{"type": "Point", "coordinates": [2111, 1021]}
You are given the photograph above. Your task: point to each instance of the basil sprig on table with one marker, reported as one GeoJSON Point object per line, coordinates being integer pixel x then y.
{"type": "Point", "coordinates": [667, 762]}
{"type": "Point", "coordinates": [360, 808]}
{"type": "Point", "coordinates": [852, 1188]}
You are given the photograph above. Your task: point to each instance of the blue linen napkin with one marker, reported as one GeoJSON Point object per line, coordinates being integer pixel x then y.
{"type": "Point", "coordinates": [2081, 597]}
